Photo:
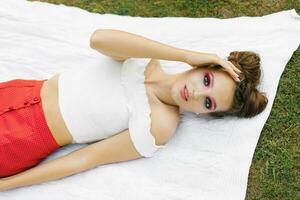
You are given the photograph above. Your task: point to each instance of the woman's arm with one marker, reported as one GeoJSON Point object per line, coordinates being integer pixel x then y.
{"type": "Point", "coordinates": [122, 45]}
{"type": "Point", "coordinates": [113, 149]}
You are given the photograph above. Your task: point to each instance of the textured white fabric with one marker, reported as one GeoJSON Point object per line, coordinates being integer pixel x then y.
{"type": "Point", "coordinates": [92, 101]}
{"type": "Point", "coordinates": [207, 159]}
{"type": "Point", "coordinates": [139, 122]}
{"type": "Point", "coordinates": [97, 102]}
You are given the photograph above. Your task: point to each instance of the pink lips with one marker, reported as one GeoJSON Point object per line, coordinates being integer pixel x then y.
{"type": "Point", "coordinates": [184, 93]}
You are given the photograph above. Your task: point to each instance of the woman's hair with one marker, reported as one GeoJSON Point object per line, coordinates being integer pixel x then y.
{"type": "Point", "coordinates": [247, 100]}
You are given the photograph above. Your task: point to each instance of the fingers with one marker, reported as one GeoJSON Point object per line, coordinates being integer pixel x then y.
{"type": "Point", "coordinates": [234, 75]}
{"type": "Point", "coordinates": [229, 67]}
{"type": "Point", "coordinates": [234, 67]}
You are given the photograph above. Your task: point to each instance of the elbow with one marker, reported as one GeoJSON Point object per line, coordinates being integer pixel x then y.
{"type": "Point", "coordinates": [99, 36]}
{"type": "Point", "coordinates": [96, 38]}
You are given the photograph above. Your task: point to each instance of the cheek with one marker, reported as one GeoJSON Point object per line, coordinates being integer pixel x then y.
{"type": "Point", "coordinates": [202, 87]}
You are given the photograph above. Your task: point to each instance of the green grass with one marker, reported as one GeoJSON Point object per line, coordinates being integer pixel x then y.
{"type": "Point", "coordinates": [275, 169]}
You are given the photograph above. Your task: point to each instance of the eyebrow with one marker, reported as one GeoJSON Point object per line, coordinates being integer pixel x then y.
{"type": "Point", "coordinates": [213, 82]}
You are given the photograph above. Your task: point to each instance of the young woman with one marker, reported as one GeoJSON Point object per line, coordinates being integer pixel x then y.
{"type": "Point", "coordinates": [112, 106]}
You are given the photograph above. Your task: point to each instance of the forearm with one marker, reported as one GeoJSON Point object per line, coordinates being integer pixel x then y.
{"type": "Point", "coordinates": [117, 148]}
{"type": "Point", "coordinates": [51, 170]}
{"type": "Point", "coordinates": [124, 44]}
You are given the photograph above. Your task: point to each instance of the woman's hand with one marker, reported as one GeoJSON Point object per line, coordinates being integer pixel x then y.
{"type": "Point", "coordinates": [197, 59]}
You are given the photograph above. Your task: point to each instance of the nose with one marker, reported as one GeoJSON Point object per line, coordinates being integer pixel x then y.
{"type": "Point", "coordinates": [197, 94]}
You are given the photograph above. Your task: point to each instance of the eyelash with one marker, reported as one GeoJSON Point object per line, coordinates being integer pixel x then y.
{"type": "Point", "coordinates": [207, 99]}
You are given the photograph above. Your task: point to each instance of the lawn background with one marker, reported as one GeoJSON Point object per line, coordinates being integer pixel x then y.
{"type": "Point", "coordinates": [275, 169]}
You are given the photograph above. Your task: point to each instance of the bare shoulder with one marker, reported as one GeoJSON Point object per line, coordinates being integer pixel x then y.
{"type": "Point", "coordinates": [164, 122]}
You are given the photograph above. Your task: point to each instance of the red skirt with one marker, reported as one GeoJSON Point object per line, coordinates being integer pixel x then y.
{"type": "Point", "coordinates": [25, 138]}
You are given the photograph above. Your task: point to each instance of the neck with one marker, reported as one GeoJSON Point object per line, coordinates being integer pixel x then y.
{"type": "Point", "coordinates": [161, 84]}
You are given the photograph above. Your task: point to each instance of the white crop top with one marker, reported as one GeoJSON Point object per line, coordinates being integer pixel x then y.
{"type": "Point", "coordinates": [97, 102]}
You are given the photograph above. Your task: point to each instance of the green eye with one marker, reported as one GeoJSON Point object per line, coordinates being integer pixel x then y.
{"type": "Point", "coordinates": [207, 103]}
{"type": "Point", "coordinates": [206, 80]}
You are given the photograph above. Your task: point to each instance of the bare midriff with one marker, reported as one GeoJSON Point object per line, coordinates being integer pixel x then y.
{"type": "Point", "coordinates": [54, 119]}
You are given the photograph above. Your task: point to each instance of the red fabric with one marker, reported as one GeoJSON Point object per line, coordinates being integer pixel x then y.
{"type": "Point", "coordinates": [25, 138]}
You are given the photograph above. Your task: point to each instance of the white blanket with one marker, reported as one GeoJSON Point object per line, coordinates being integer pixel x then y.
{"type": "Point", "coordinates": [207, 159]}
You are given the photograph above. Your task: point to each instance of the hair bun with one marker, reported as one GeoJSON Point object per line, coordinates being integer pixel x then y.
{"type": "Point", "coordinates": [255, 103]}
{"type": "Point", "coordinates": [249, 63]}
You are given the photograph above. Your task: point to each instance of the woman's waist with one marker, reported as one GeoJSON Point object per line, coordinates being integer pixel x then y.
{"type": "Point", "coordinates": [55, 122]}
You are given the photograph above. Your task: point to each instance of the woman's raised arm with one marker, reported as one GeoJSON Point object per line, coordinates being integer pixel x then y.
{"type": "Point", "coordinates": [116, 148]}
{"type": "Point", "coordinates": [121, 44]}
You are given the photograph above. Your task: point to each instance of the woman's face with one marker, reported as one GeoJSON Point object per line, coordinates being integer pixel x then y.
{"type": "Point", "coordinates": [209, 90]}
